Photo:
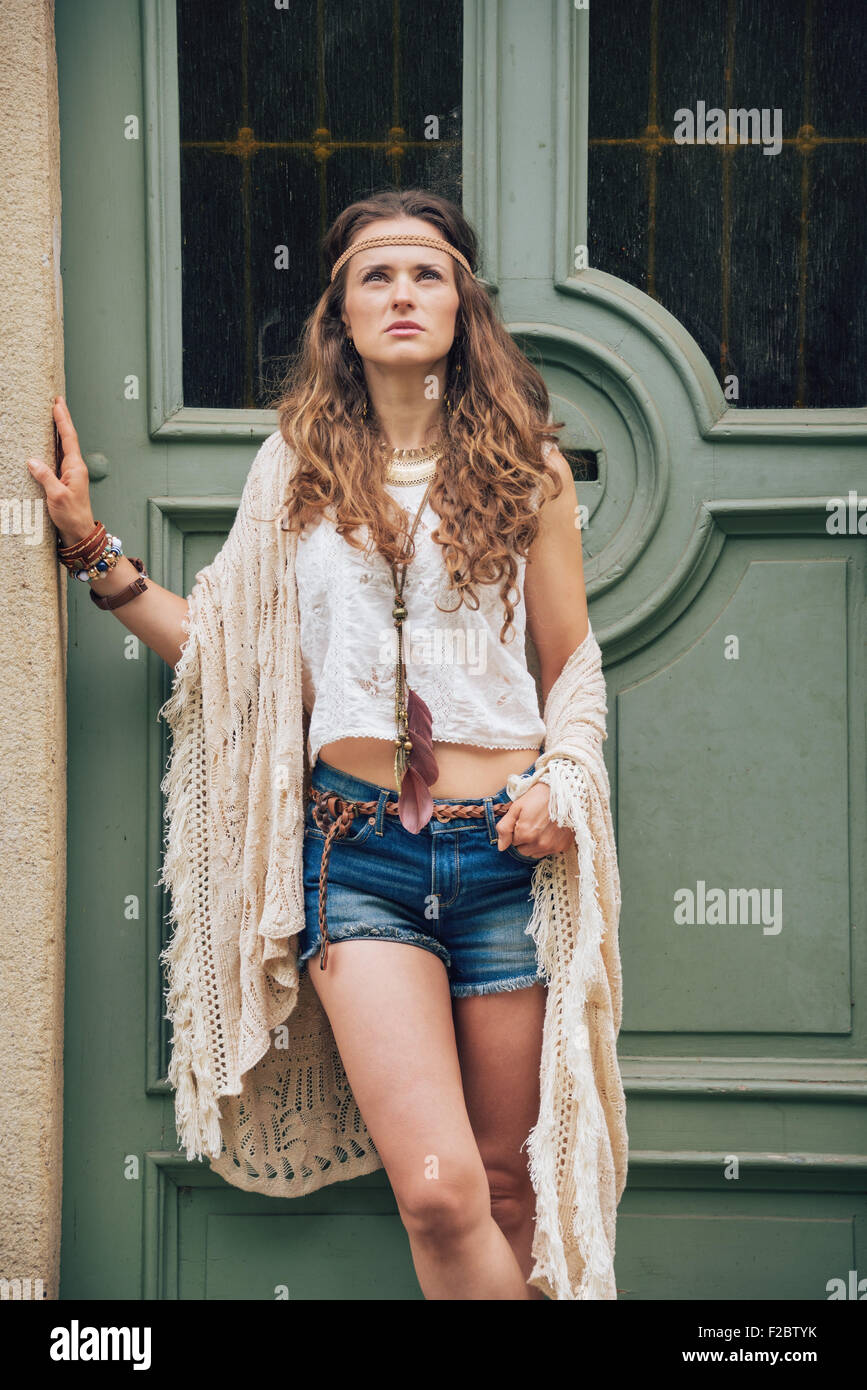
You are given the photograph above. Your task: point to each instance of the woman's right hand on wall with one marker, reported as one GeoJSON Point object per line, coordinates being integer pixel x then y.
{"type": "Point", "coordinates": [67, 497]}
{"type": "Point", "coordinates": [156, 615]}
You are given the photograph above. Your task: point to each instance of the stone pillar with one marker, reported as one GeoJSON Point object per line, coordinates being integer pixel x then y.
{"type": "Point", "coordinates": [32, 661]}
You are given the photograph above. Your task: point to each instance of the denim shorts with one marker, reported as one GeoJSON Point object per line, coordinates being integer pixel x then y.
{"type": "Point", "coordinates": [447, 889]}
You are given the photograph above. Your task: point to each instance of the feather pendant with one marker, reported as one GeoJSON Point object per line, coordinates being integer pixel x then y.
{"type": "Point", "coordinates": [415, 803]}
{"type": "Point", "coordinates": [420, 727]}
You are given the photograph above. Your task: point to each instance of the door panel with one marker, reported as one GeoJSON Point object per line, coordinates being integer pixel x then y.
{"type": "Point", "coordinates": [724, 890]}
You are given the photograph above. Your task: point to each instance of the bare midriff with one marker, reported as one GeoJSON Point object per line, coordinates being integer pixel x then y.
{"type": "Point", "coordinates": [464, 769]}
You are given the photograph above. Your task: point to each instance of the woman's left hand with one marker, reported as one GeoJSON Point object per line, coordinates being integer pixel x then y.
{"type": "Point", "coordinates": [527, 826]}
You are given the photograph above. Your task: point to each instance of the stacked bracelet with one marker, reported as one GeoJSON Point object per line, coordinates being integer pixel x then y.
{"type": "Point", "coordinates": [91, 557]}
{"type": "Point", "coordinates": [137, 586]}
{"type": "Point", "coordinates": [94, 557]}
{"type": "Point", "coordinates": [105, 561]}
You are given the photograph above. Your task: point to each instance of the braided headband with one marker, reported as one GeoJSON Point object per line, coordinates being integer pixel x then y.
{"type": "Point", "coordinates": [404, 240]}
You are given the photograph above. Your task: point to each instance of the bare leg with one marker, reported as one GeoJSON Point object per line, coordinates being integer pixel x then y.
{"type": "Point", "coordinates": [499, 1040]}
{"type": "Point", "coordinates": [390, 1011]}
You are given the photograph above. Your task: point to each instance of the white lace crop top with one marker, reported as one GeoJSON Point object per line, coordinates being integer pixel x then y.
{"type": "Point", "coordinates": [478, 689]}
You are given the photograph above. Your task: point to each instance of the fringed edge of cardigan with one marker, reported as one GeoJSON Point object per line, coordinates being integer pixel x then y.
{"type": "Point", "coordinates": [569, 804]}
{"type": "Point", "coordinates": [197, 1113]}
{"type": "Point", "coordinates": [567, 791]}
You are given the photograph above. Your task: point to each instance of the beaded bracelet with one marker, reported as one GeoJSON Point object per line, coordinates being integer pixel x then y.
{"type": "Point", "coordinates": [96, 554]}
{"type": "Point", "coordinates": [107, 559]}
{"type": "Point", "coordinates": [93, 557]}
{"type": "Point", "coordinates": [138, 586]}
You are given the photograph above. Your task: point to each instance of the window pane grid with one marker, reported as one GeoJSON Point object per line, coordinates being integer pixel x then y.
{"type": "Point", "coordinates": [767, 269]}
{"type": "Point", "coordinates": [285, 117]}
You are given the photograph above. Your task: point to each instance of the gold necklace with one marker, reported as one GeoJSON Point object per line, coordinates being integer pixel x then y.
{"type": "Point", "coordinates": [408, 467]}
{"type": "Point", "coordinates": [412, 471]}
{"type": "Point", "coordinates": [404, 455]}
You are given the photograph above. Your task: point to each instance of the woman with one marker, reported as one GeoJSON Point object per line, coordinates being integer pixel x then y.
{"type": "Point", "coordinates": [409, 393]}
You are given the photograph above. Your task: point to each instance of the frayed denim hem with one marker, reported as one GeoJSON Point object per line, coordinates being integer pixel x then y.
{"type": "Point", "coordinates": [364, 932]}
{"type": "Point", "coordinates": [496, 986]}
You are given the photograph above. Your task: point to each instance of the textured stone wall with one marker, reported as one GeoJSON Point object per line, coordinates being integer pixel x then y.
{"type": "Point", "coordinates": [32, 657]}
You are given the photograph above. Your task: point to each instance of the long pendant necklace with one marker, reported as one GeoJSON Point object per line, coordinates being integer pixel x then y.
{"type": "Point", "coordinates": [415, 767]}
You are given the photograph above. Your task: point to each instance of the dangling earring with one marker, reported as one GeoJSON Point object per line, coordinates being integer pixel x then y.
{"type": "Point", "coordinates": [353, 367]}
{"type": "Point", "coordinates": [447, 401]}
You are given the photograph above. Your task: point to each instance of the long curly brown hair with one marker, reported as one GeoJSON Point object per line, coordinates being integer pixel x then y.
{"type": "Point", "coordinates": [492, 433]}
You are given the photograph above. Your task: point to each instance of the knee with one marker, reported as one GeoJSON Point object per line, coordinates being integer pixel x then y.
{"type": "Point", "coordinates": [444, 1210]}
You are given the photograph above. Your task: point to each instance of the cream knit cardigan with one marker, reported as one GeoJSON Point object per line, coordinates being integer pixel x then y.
{"type": "Point", "coordinates": [247, 1030]}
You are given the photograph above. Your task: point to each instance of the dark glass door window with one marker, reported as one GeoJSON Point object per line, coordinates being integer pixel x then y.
{"type": "Point", "coordinates": [760, 255]}
{"type": "Point", "coordinates": [286, 116]}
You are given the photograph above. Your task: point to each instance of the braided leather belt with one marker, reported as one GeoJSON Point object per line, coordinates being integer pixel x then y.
{"type": "Point", "coordinates": [334, 816]}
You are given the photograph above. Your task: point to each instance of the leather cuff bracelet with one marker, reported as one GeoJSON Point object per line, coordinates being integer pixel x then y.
{"type": "Point", "coordinates": [138, 586]}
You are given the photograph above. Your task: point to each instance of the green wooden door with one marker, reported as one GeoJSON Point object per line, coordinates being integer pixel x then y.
{"type": "Point", "coordinates": [730, 613]}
